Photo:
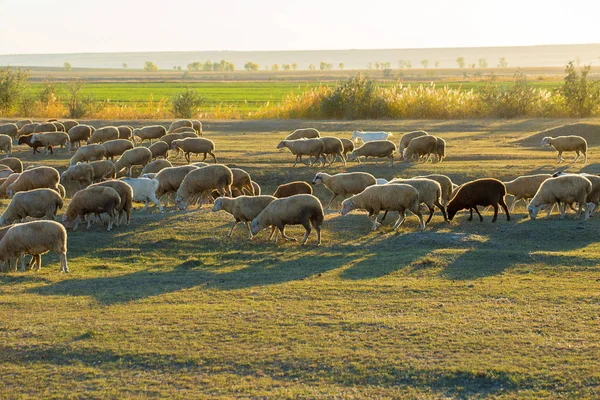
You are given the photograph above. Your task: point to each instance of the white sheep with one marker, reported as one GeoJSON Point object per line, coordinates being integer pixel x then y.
{"type": "Point", "coordinates": [104, 134]}
{"type": "Point", "coordinates": [430, 194]}
{"type": "Point", "coordinates": [155, 166]}
{"type": "Point", "coordinates": [201, 182]}
{"type": "Point", "coordinates": [370, 136]}
{"type": "Point", "coordinates": [6, 144]}
{"type": "Point", "coordinates": [407, 137]}
{"type": "Point", "coordinates": [37, 203]}
{"type": "Point", "coordinates": [567, 143]}
{"type": "Point", "coordinates": [243, 209]}
{"type": "Point", "coordinates": [38, 177]}
{"type": "Point", "coordinates": [136, 156]}
{"type": "Point", "coordinates": [116, 147]}
{"type": "Point", "coordinates": [304, 133]}
{"type": "Point", "coordinates": [420, 147]}
{"type": "Point", "coordinates": [344, 184]}
{"type": "Point", "coordinates": [446, 184]}
{"type": "Point", "coordinates": [376, 149]}
{"type": "Point", "coordinates": [170, 179]}
{"type": "Point", "coordinates": [304, 147]}
{"type": "Point", "coordinates": [51, 139]}
{"type": "Point", "coordinates": [87, 153]}
{"type": "Point", "coordinates": [524, 187]}
{"type": "Point", "coordinates": [566, 189]}
{"type": "Point", "coordinates": [149, 133]}
{"type": "Point", "coordinates": [144, 189]}
{"type": "Point", "coordinates": [92, 200]}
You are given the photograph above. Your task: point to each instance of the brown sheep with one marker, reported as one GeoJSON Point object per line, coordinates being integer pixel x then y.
{"type": "Point", "coordinates": [292, 188]}
{"type": "Point", "coordinates": [481, 192]}
{"type": "Point", "coordinates": [125, 193]}
{"type": "Point", "coordinates": [26, 139]}
{"type": "Point", "coordinates": [195, 146]}
{"type": "Point", "coordinates": [92, 200]}
{"type": "Point", "coordinates": [80, 133]}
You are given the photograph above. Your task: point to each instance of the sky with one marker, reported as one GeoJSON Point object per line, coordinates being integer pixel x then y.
{"type": "Point", "coordinates": [90, 26]}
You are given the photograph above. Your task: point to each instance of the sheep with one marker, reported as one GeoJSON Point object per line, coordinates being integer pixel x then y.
{"type": "Point", "coordinates": [407, 137]}
{"type": "Point", "coordinates": [149, 133]}
{"type": "Point", "coordinates": [430, 193]}
{"type": "Point", "coordinates": [159, 149]}
{"type": "Point", "coordinates": [169, 137]}
{"type": "Point", "coordinates": [170, 180]}
{"type": "Point", "coordinates": [243, 209]}
{"type": "Point", "coordinates": [201, 181]}
{"type": "Point", "coordinates": [69, 124]}
{"type": "Point", "coordinates": [155, 166]}
{"type": "Point", "coordinates": [348, 146]}
{"type": "Point", "coordinates": [593, 198]}
{"type": "Point", "coordinates": [5, 172]}
{"type": "Point", "coordinates": [37, 203]}
{"type": "Point", "coordinates": [420, 146]}
{"type": "Point", "coordinates": [440, 149]}
{"type": "Point", "coordinates": [304, 147]}
{"type": "Point", "coordinates": [116, 147]}
{"type": "Point", "coordinates": [333, 147]}
{"type": "Point", "coordinates": [62, 191]}
{"type": "Point", "coordinates": [370, 136]}
{"type": "Point", "coordinates": [344, 184]}
{"type": "Point", "coordinates": [194, 146]}
{"type": "Point", "coordinates": [125, 132]}
{"type": "Point", "coordinates": [524, 187]}
{"type": "Point", "coordinates": [39, 177]}
{"type": "Point", "coordinates": [480, 192]}
{"type": "Point", "coordinates": [92, 200]}
{"type": "Point", "coordinates": [396, 197]}
{"type": "Point", "coordinates": [188, 134]}
{"type": "Point", "coordinates": [13, 163]}
{"type": "Point", "coordinates": [27, 129]}
{"type": "Point", "coordinates": [9, 130]}
{"type": "Point", "coordinates": [144, 189]}
{"type": "Point", "coordinates": [7, 182]}
{"type": "Point", "coordinates": [183, 129]}
{"type": "Point", "coordinates": [381, 181]}
{"type": "Point", "coordinates": [565, 189]}
{"type": "Point", "coordinates": [35, 238]}
{"type": "Point", "coordinates": [21, 123]}
{"type": "Point", "coordinates": [242, 181]}
{"type": "Point", "coordinates": [304, 133]}
{"type": "Point", "coordinates": [87, 153]}
{"type": "Point", "coordinates": [26, 139]}
{"type": "Point", "coordinates": [125, 193]}
{"type": "Point", "coordinates": [82, 175]}
{"type": "Point", "coordinates": [291, 189]}
{"type": "Point", "coordinates": [104, 134]}
{"type": "Point", "coordinates": [136, 156]}
{"type": "Point", "coordinates": [103, 169]}
{"type": "Point", "coordinates": [182, 123]}
{"type": "Point", "coordinates": [445, 183]}
{"type": "Point", "coordinates": [6, 144]}
{"type": "Point", "coordinates": [197, 125]}
{"type": "Point", "coordinates": [375, 149]}
{"type": "Point", "coordinates": [80, 133]}
{"type": "Point", "coordinates": [45, 127]}
{"type": "Point", "coordinates": [567, 143]}
{"type": "Point", "coordinates": [257, 189]}
{"type": "Point", "coordinates": [51, 139]}
{"type": "Point", "coordinates": [59, 126]}
{"type": "Point", "coordinates": [300, 209]}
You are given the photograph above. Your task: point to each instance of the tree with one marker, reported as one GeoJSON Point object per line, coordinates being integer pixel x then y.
{"type": "Point", "coordinates": [582, 95]}
{"type": "Point", "coordinates": [179, 68]}
{"type": "Point", "coordinates": [13, 85]}
{"type": "Point", "coordinates": [195, 66]}
{"type": "Point", "coordinates": [79, 106]}
{"type": "Point", "coordinates": [436, 64]}
{"type": "Point", "coordinates": [460, 61]}
{"type": "Point", "coordinates": [294, 66]}
{"type": "Point", "coordinates": [341, 66]}
{"type": "Point", "coordinates": [67, 66]}
{"type": "Point", "coordinates": [325, 66]}
{"type": "Point", "coordinates": [482, 63]}
{"type": "Point", "coordinates": [386, 65]}
{"type": "Point", "coordinates": [275, 67]}
{"type": "Point", "coordinates": [408, 65]}
{"type": "Point", "coordinates": [312, 67]}
{"type": "Point", "coordinates": [286, 67]}
{"type": "Point", "coordinates": [124, 65]}
{"type": "Point", "coordinates": [425, 63]}
{"type": "Point", "coordinates": [502, 63]}
{"type": "Point", "coordinates": [250, 66]}
{"type": "Point", "coordinates": [149, 66]}
{"type": "Point", "coordinates": [401, 64]}
{"type": "Point", "coordinates": [370, 65]}
{"type": "Point", "coordinates": [473, 65]}
{"type": "Point", "coordinates": [208, 66]}
{"type": "Point", "coordinates": [376, 64]}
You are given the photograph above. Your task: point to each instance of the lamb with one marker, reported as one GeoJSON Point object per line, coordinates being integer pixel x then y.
{"type": "Point", "coordinates": [304, 133]}
{"type": "Point", "coordinates": [170, 179]}
{"type": "Point", "coordinates": [13, 163]}
{"type": "Point", "coordinates": [201, 181]}
{"type": "Point", "coordinates": [125, 132]}
{"type": "Point", "coordinates": [37, 203]}
{"type": "Point", "coordinates": [126, 195]}
{"type": "Point", "coordinates": [136, 156]}
{"type": "Point", "coordinates": [80, 133]}
{"type": "Point", "coordinates": [90, 152]}
{"type": "Point", "coordinates": [567, 143]}
{"type": "Point", "coordinates": [35, 238]}
{"type": "Point", "coordinates": [291, 189]}
{"type": "Point", "coordinates": [370, 136]}
{"type": "Point", "coordinates": [421, 146]}
{"type": "Point", "coordinates": [445, 183]}
{"type": "Point", "coordinates": [39, 177]}
{"type": "Point", "coordinates": [159, 149]}
{"type": "Point", "coordinates": [440, 149]}
{"type": "Point", "coordinates": [92, 200]}
{"type": "Point", "coordinates": [333, 147]}
{"type": "Point", "coordinates": [116, 147]}
{"type": "Point", "coordinates": [407, 137]}
{"type": "Point", "coordinates": [26, 139]}
{"type": "Point", "coordinates": [565, 189]}
{"type": "Point", "coordinates": [27, 129]}
{"type": "Point", "coordinates": [344, 184]}
{"type": "Point", "coordinates": [7, 182]}
{"type": "Point", "coordinates": [430, 193]}
{"type": "Point", "coordinates": [51, 139]}
{"type": "Point", "coordinates": [59, 126]}
{"type": "Point", "coordinates": [242, 181]}
{"type": "Point", "coordinates": [104, 134]}
{"type": "Point", "coordinates": [81, 175]}
{"type": "Point", "coordinates": [181, 124]}
{"type": "Point", "coordinates": [155, 167]}
{"type": "Point", "coordinates": [396, 197]}
{"type": "Point", "coordinates": [480, 192]}
{"type": "Point", "coordinates": [69, 124]}
{"type": "Point", "coordinates": [375, 149]}
{"type": "Point", "coordinates": [149, 133]}
{"type": "Point", "coordinates": [45, 127]}
{"type": "Point", "coordinates": [144, 189]}
{"type": "Point", "coordinates": [244, 209]}
{"type": "Point", "coordinates": [6, 144]}
{"type": "Point", "coordinates": [524, 187]}
{"type": "Point", "coordinates": [300, 209]}
{"type": "Point", "coordinates": [194, 146]}
{"type": "Point", "coordinates": [304, 147]}
{"type": "Point", "coordinates": [103, 169]}
{"type": "Point", "coordinates": [9, 129]}
{"type": "Point", "coordinates": [197, 125]}
{"type": "Point", "coordinates": [21, 123]}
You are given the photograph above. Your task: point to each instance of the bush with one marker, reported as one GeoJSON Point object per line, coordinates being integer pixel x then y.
{"type": "Point", "coordinates": [79, 105]}
{"type": "Point", "coordinates": [13, 84]}
{"type": "Point", "coordinates": [186, 104]}
{"type": "Point", "coordinates": [582, 96]}
{"type": "Point", "coordinates": [356, 98]}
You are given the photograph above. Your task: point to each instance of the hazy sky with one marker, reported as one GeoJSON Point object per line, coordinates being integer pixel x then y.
{"type": "Point", "coordinates": [68, 26]}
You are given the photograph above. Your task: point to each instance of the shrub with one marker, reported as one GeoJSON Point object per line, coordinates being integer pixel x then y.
{"type": "Point", "coordinates": [185, 104]}
{"type": "Point", "coordinates": [582, 96]}
{"type": "Point", "coordinates": [79, 105]}
{"type": "Point", "coordinates": [13, 84]}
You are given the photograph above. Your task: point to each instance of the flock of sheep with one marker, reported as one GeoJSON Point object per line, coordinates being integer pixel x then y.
{"type": "Point", "coordinates": [91, 182]}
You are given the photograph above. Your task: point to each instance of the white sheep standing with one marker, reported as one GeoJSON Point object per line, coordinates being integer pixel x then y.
{"type": "Point", "coordinates": [370, 136]}
{"type": "Point", "coordinates": [243, 209]}
{"type": "Point", "coordinates": [567, 143]}
{"type": "Point", "coordinates": [566, 189]}
{"type": "Point", "coordinates": [144, 189]}
{"type": "Point", "coordinates": [344, 184]}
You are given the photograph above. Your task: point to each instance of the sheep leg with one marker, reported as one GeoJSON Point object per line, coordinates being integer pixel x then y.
{"type": "Point", "coordinates": [560, 159]}
{"type": "Point", "coordinates": [391, 157]}
{"type": "Point", "coordinates": [401, 219]}
{"type": "Point", "coordinates": [273, 231]}
{"type": "Point", "coordinates": [111, 218]}
{"type": "Point", "coordinates": [22, 262]}
{"type": "Point", "coordinates": [585, 157]}
{"type": "Point", "coordinates": [318, 229]}
{"type": "Point", "coordinates": [470, 216]}
{"type": "Point", "coordinates": [306, 226]}
{"type": "Point", "coordinates": [38, 261]}
{"type": "Point", "coordinates": [157, 203]}
{"type": "Point", "coordinates": [504, 207]}
{"type": "Point", "coordinates": [286, 237]}
{"type": "Point", "coordinates": [495, 212]}
{"type": "Point", "coordinates": [187, 157]}
{"type": "Point", "coordinates": [331, 201]}
{"type": "Point", "coordinates": [250, 236]}
{"type": "Point", "coordinates": [213, 156]}
{"type": "Point", "coordinates": [576, 158]}
{"type": "Point", "coordinates": [562, 208]}
{"type": "Point", "coordinates": [477, 211]}
{"type": "Point", "coordinates": [343, 158]}
{"type": "Point", "coordinates": [237, 221]}
{"type": "Point", "coordinates": [384, 215]}
{"type": "Point", "coordinates": [89, 222]}
{"type": "Point", "coordinates": [431, 211]}
{"type": "Point", "coordinates": [421, 222]}
{"type": "Point", "coordinates": [373, 218]}
{"type": "Point", "coordinates": [63, 263]}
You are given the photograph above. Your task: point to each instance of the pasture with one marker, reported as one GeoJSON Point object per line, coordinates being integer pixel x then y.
{"type": "Point", "coordinates": [169, 307]}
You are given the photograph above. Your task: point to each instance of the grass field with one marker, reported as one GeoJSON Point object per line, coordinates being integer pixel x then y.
{"type": "Point", "coordinates": [168, 307]}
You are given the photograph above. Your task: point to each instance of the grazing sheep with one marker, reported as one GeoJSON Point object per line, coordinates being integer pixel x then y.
{"type": "Point", "coordinates": [480, 192]}
{"type": "Point", "coordinates": [45, 127]}
{"type": "Point", "coordinates": [567, 143]}
{"type": "Point", "coordinates": [80, 175]}
{"type": "Point", "coordinates": [116, 147]}
{"type": "Point", "coordinates": [524, 187]}
{"type": "Point", "coordinates": [125, 132]}
{"type": "Point", "coordinates": [169, 137]}
{"type": "Point", "coordinates": [6, 144]}
{"type": "Point", "coordinates": [13, 163]}
{"type": "Point", "coordinates": [565, 189]}
{"type": "Point", "coordinates": [344, 184]}
{"type": "Point", "coordinates": [149, 133]}
{"type": "Point", "coordinates": [27, 129]}
{"type": "Point", "coordinates": [170, 179]}
{"type": "Point", "coordinates": [7, 182]}
{"type": "Point", "coordinates": [39, 177]}
{"type": "Point", "coordinates": [257, 189]}
{"type": "Point", "coordinates": [159, 149]}
{"type": "Point", "coordinates": [59, 126]}
{"type": "Point", "coordinates": [420, 146]}
{"type": "Point", "coordinates": [407, 137]}
{"type": "Point", "coordinates": [304, 147]}
{"type": "Point", "coordinates": [333, 147]}
{"type": "Point", "coordinates": [37, 203]}
{"type": "Point", "coordinates": [300, 209]}
{"type": "Point", "coordinates": [440, 149]}
{"type": "Point", "coordinates": [188, 134]}
{"type": "Point", "coordinates": [35, 238]}
{"type": "Point", "coordinates": [104, 134]}
{"type": "Point", "coordinates": [21, 123]}
{"type": "Point", "coordinates": [155, 166]}
{"type": "Point", "coordinates": [183, 129]}
{"type": "Point", "coordinates": [244, 209]}
{"type": "Point", "coordinates": [375, 149]}
{"type": "Point", "coordinates": [92, 200]}
{"type": "Point", "coordinates": [125, 193]}
{"type": "Point", "coordinates": [291, 189]}
{"type": "Point", "coordinates": [197, 125]}
{"type": "Point", "coordinates": [103, 169]}
{"type": "Point", "coordinates": [69, 124]}
{"type": "Point", "coordinates": [374, 199]}
{"type": "Point", "coordinates": [87, 153]}
{"type": "Point", "coordinates": [200, 182]}
{"type": "Point", "coordinates": [26, 139]}
{"type": "Point", "coordinates": [182, 123]}
{"type": "Point", "coordinates": [348, 146]}
{"type": "Point", "coordinates": [144, 189]}
{"type": "Point", "coordinates": [242, 181]}
{"type": "Point", "coordinates": [9, 129]}
{"type": "Point", "coordinates": [304, 133]}
{"type": "Point", "coordinates": [194, 146]}
{"type": "Point", "coordinates": [370, 136]}
{"type": "Point", "coordinates": [51, 139]}
{"type": "Point", "coordinates": [136, 156]}
{"type": "Point", "coordinates": [80, 133]}
{"type": "Point", "coordinates": [430, 194]}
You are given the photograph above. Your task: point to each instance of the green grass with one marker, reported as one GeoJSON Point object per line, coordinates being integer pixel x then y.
{"type": "Point", "coordinates": [168, 307]}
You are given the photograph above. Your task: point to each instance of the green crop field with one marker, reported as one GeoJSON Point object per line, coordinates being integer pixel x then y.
{"type": "Point", "coordinates": [169, 307]}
